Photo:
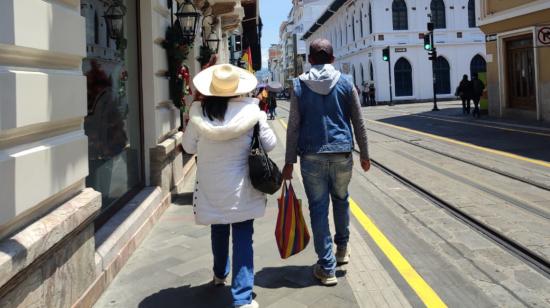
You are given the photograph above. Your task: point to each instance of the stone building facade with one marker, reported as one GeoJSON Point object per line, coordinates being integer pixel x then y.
{"type": "Point", "coordinates": [89, 138]}
{"type": "Point", "coordinates": [518, 50]}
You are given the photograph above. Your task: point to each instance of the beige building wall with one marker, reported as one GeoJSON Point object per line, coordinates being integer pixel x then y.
{"type": "Point", "coordinates": [501, 20]}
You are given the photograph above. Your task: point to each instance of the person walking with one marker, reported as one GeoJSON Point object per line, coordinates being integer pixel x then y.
{"type": "Point", "coordinates": [477, 91]}
{"type": "Point", "coordinates": [372, 94]}
{"type": "Point", "coordinates": [323, 109]}
{"type": "Point", "coordinates": [366, 90]}
{"type": "Point", "coordinates": [220, 132]}
{"type": "Point", "coordinates": [272, 99]}
{"type": "Point", "coordinates": [465, 91]}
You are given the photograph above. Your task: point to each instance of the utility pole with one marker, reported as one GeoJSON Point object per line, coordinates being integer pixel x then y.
{"type": "Point", "coordinates": [386, 57]}
{"type": "Point", "coordinates": [429, 45]}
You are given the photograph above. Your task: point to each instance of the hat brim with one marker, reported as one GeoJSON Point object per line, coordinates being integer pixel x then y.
{"type": "Point", "coordinates": [203, 82]}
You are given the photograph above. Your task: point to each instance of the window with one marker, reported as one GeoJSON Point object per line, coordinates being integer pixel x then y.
{"type": "Point", "coordinates": [399, 13]}
{"type": "Point", "coordinates": [96, 29]}
{"type": "Point", "coordinates": [353, 28]}
{"type": "Point", "coordinates": [442, 76]}
{"type": "Point", "coordinates": [403, 78]}
{"type": "Point", "coordinates": [471, 14]}
{"type": "Point", "coordinates": [477, 65]}
{"type": "Point", "coordinates": [361, 22]}
{"type": "Point", "coordinates": [113, 123]}
{"type": "Point", "coordinates": [370, 19]}
{"type": "Point", "coordinates": [371, 72]}
{"type": "Point", "coordinates": [438, 14]}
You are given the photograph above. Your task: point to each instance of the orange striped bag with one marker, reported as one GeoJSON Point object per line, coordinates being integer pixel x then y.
{"type": "Point", "coordinates": [291, 230]}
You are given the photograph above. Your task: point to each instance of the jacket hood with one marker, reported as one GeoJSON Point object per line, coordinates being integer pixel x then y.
{"type": "Point", "coordinates": [321, 78]}
{"type": "Point", "coordinates": [241, 116]}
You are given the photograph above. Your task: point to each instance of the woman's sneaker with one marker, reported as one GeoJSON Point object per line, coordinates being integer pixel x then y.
{"type": "Point", "coordinates": [219, 282]}
{"type": "Point", "coordinates": [253, 304]}
{"type": "Point", "coordinates": [342, 255]}
{"type": "Point", "coordinates": [324, 278]}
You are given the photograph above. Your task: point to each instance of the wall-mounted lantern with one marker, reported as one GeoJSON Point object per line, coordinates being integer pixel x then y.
{"type": "Point", "coordinates": [188, 19]}
{"type": "Point", "coordinates": [213, 42]}
{"type": "Point", "coordinates": [114, 17]}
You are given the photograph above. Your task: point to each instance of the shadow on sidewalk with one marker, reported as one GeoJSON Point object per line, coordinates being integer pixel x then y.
{"type": "Point", "coordinates": [292, 276]}
{"type": "Point", "coordinates": [182, 199]}
{"type": "Point", "coordinates": [203, 296]}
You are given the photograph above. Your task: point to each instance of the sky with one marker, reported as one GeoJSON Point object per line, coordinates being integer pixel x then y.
{"type": "Point", "coordinates": [273, 13]}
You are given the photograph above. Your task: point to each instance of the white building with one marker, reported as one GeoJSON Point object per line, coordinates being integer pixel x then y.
{"type": "Point", "coordinates": [359, 31]}
{"type": "Point", "coordinates": [300, 18]}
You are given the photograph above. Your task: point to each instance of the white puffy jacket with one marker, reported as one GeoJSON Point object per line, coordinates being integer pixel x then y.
{"type": "Point", "coordinates": [223, 192]}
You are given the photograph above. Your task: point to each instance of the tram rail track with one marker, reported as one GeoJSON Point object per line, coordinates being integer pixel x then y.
{"type": "Point", "coordinates": [517, 249]}
{"type": "Point", "coordinates": [466, 161]}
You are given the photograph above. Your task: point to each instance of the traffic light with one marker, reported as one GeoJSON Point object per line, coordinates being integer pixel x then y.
{"type": "Point", "coordinates": [430, 26]}
{"type": "Point", "coordinates": [386, 54]}
{"type": "Point", "coordinates": [427, 42]}
{"type": "Point", "coordinates": [433, 54]}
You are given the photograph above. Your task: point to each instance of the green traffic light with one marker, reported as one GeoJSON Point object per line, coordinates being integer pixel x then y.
{"type": "Point", "coordinates": [385, 58]}
{"type": "Point", "coordinates": [427, 46]}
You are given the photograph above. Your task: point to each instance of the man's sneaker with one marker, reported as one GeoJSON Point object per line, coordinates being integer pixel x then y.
{"type": "Point", "coordinates": [342, 255]}
{"type": "Point", "coordinates": [219, 282]}
{"type": "Point", "coordinates": [253, 304]}
{"type": "Point", "coordinates": [324, 278]}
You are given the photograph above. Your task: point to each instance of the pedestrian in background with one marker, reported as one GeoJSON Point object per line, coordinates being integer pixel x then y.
{"type": "Point", "coordinates": [372, 95]}
{"type": "Point", "coordinates": [365, 94]}
{"type": "Point", "coordinates": [262, 98]}
{"type": "Point", "coordinates": [477, 91]}
{"type": "Point", "coordinates": [220, 133]}
{"type": "Point", "coordinates": [465, 92]}
{"type": "Point", "coordinates": [272, 99]}
{"type": "Point", "coordinates": [323, 108]}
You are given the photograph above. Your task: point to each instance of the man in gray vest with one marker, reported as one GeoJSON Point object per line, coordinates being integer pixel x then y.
{"type": "Point", "coordinates": [323, 108]}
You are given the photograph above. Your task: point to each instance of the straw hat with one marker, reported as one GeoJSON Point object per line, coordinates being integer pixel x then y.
{"type": "Point", "coordinates": [225, 80]}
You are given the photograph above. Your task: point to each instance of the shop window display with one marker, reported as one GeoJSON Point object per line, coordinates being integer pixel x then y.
{"type": "Point", "coordinates": [113, 123]}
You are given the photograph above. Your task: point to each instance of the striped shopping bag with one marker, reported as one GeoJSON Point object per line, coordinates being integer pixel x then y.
{"type": "Point", "coordinates": [291, 230]}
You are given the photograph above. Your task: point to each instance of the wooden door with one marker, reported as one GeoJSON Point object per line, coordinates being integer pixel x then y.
{"type": "Point", "coordinates": [520, 59]}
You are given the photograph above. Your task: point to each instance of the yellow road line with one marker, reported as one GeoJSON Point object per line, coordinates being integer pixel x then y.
{"type": "Point", "coordinates": [417, 283]}
{"type": "Point", "coordinates": [469, 145]}
{"type": "Point", "coordinates": [482, 125]}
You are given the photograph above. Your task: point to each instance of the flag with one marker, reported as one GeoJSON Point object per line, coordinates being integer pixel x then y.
{"type": "Point", "coordinates": [247, 59]}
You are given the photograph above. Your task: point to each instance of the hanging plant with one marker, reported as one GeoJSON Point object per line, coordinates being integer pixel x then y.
{"type": "Point", "coordinates": [177, 51]}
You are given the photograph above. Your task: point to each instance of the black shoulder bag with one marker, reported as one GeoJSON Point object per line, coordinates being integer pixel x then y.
{"type": "Point", "coordinates": [264, 173]}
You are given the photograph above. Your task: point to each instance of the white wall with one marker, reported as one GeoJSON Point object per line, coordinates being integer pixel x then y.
{"type": "Point", "coordinates": [43, 148]}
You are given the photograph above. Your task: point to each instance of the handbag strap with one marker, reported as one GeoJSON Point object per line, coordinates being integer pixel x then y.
{"type": "Point", "coordinates": [256, 144]}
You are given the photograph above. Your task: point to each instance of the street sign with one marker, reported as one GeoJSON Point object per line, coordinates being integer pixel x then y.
{"type": "Point", "coordinates": [400, 49]}
{"type": "Point", "coordinates": [490, 38]}
{"type": "Point", "coordinates": [543, 36]}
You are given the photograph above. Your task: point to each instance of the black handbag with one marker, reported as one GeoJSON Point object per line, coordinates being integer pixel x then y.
{"type": "Point", "coordinates": [264, 173]}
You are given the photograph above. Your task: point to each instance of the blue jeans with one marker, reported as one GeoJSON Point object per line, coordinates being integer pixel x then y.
{"type": "Point", "coordinates": [327, 175]}
{"type": "Point", "coordinates": [243, 258]}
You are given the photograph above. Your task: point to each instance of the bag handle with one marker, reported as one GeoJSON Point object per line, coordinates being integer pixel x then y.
{"type": "Point", "coordinates": [285, 188]}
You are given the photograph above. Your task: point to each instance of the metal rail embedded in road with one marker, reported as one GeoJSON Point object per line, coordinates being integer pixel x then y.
{"type": "Point", "coordinates": [531, 258]}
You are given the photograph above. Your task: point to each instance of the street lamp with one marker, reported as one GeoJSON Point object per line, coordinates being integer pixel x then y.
{"type": "Point", "coordinates": [188, 18]}
{"type": "Point", "coordinates": [114, 17]}
{"type": "Point", "coordinates": [213, 42]}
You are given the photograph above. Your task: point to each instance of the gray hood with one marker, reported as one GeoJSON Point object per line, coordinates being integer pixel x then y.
{"type": "Point", "coordinates": [321, 78]}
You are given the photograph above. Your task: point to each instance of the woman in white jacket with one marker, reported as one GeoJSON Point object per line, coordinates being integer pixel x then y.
{"type": "Point", "coordinates": [220, 133]}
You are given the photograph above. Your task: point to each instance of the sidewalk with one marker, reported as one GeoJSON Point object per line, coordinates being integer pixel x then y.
{"type": "Point", "coordinates": [172, 268]}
